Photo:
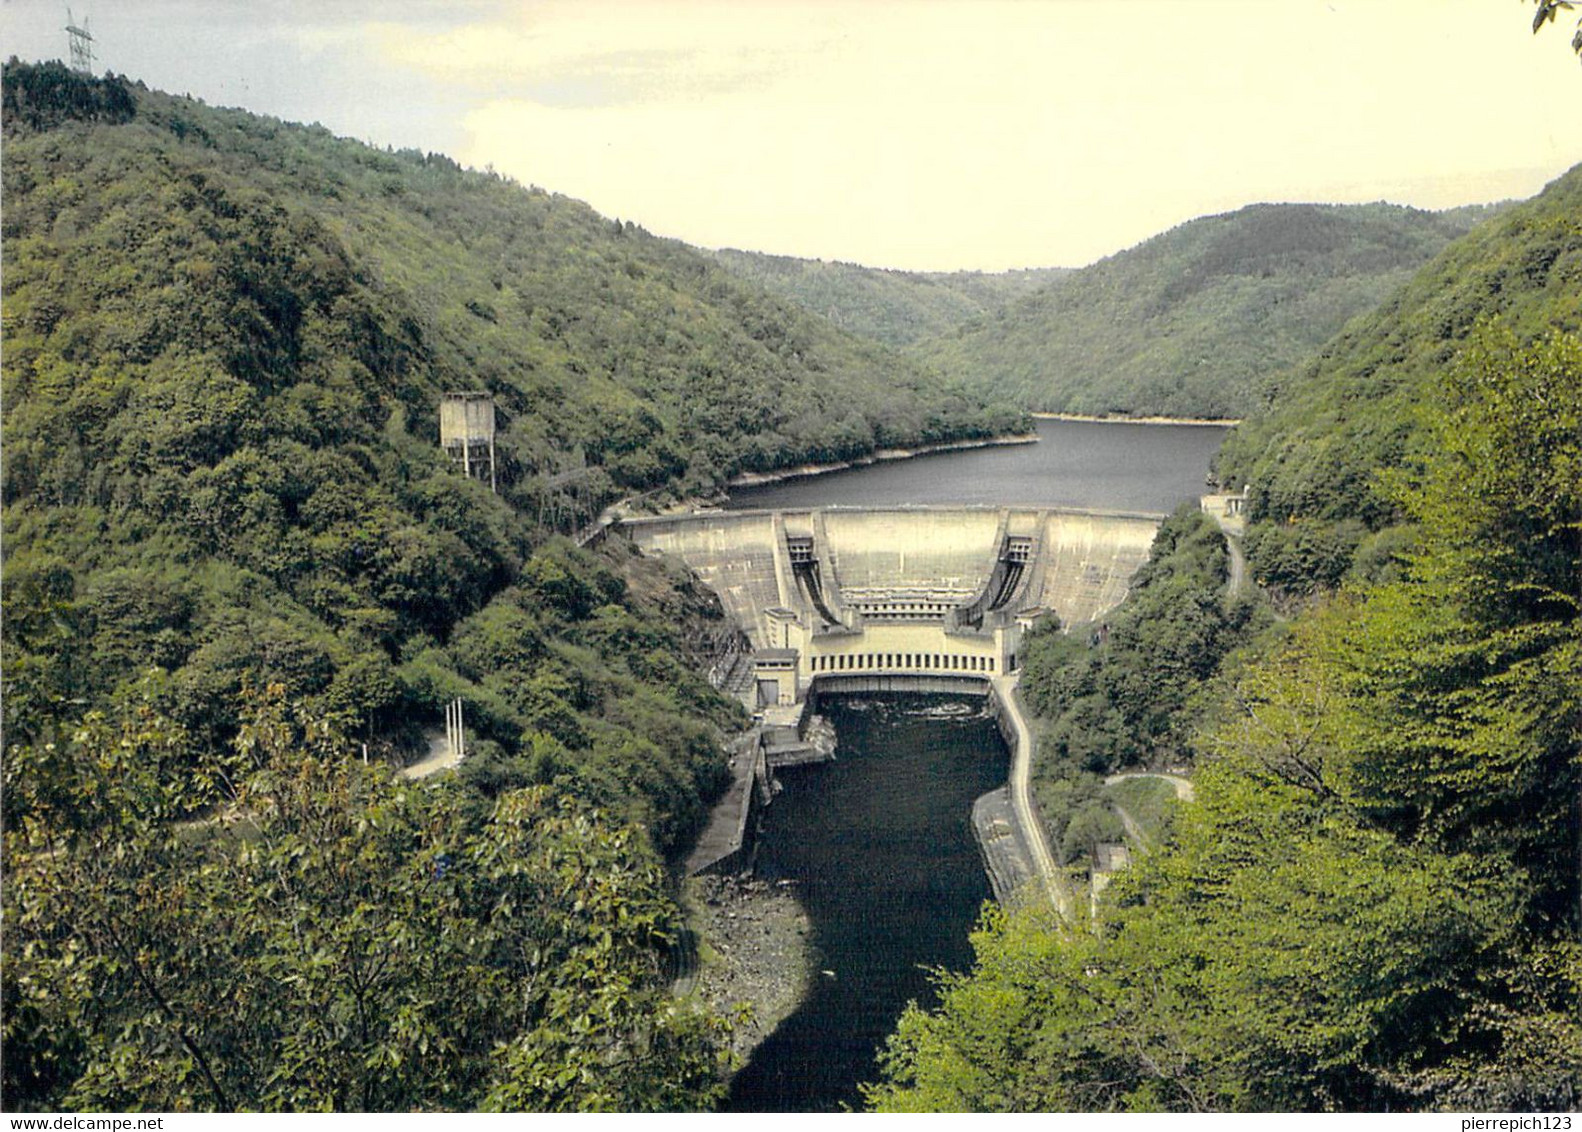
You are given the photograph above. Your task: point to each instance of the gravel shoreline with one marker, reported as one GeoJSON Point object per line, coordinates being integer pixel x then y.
{"type": "Point", "coordinates": [754, 948]}
{"type": "Point", "coordinates": [1208, 422]}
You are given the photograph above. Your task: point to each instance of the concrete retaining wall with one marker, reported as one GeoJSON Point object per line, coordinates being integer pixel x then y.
{"type": "Point", "coordinates": [1000, 844]}
{"type": "Point", "coordinates": [726, 843]}
{"type": "Point", "coordinates": [1086, 561]}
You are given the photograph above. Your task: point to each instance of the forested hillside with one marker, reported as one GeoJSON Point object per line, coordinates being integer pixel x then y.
{"type": "Point", "coordinates": [1191, 322]}
{"type": "Point", "coordinates": [241, 579]}
{"type": "Point", "coordinates": [1320, 457]}
{"type": "Point", "coordinates": [897, 308]}
{"type": "Point", "coordinates": [241, 582]}
{"type": "Point", "coordinates": [1373, 901]}
{"type": "Point", "coordinates": [225, 342]}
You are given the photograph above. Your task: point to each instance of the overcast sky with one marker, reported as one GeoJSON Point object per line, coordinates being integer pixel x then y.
{"type": "Point", "coordinates": [898, 134]}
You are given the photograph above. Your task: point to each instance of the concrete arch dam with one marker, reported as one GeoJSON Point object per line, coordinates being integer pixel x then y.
{"type": "Point", "coordinates": [902, 599]}
{"type": "Point", "coordinates": [840, 596]}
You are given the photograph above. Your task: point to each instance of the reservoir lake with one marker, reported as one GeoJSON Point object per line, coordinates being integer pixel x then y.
{"type": "Point", "coordinates": [1088, 464]}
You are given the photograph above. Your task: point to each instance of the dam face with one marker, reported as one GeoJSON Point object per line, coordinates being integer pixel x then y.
{"type": "Point", "coordinates": [841, 594]}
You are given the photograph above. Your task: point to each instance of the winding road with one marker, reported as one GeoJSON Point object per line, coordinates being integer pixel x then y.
{"type": "Point", "coordinates": [1022, 797]}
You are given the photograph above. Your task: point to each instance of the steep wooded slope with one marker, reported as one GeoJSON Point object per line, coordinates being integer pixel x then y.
{"type": "Point", "coordinates": [1192, 321]}
{"type": "Point", "coordinates": [1315, 456]}
{"type": "Point", "coordinates": [897, 308]}
{"type": "Point", "coordinates": [225, 342]}
{"type": "Point", "coordinates": [604, 346]}
{"type": "Point", "coordinates": [239, 577]}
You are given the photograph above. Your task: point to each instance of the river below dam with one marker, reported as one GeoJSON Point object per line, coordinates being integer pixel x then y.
{"type": "Point", "coordinates": [878, 844]}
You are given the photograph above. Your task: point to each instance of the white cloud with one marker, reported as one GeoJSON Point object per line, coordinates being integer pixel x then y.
{"type": "Point", "coordinates": [998, 134]}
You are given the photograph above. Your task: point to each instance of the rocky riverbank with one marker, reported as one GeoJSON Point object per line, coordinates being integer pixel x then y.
{"type": "Point", "coordinates": [755, 948]}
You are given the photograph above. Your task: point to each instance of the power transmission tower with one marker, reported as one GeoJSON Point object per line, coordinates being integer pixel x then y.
{"type": "Point", "coordinates": [81, 45]}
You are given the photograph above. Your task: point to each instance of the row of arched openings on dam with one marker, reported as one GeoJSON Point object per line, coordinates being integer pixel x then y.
{"type": "Point", "coordinates": [928, 662]}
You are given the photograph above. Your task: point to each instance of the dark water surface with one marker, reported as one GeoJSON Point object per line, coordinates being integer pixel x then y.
{"type": "Point", "coordinates": [880, 841]}
{"type": "Point", "coordinates": [1119, 467]}
{"type": "Point", "coordinates": [880, 846]}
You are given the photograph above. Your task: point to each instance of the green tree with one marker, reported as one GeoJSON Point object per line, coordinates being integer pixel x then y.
{"type": "Point", "coordinates": [329, 938]}
{"type": "Point", "coordinates": [1546, 13]}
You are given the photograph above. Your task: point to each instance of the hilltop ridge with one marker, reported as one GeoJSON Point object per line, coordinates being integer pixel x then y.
{"type": "Point", "coordinates": [1192, 322]}
{"type": "Point", "coordinates": [898, 308]}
